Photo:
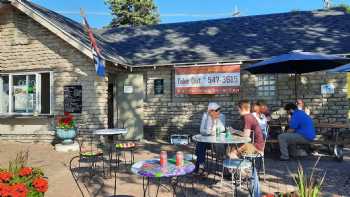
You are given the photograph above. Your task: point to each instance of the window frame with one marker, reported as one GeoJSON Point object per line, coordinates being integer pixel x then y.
{"type": "Point", "coordinates": [263, 84]}
{"type": "Point", "coordinates": [37, 93]}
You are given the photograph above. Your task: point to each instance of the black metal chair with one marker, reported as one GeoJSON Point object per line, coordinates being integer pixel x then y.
{"type": "Point", "coordinates": [124, 147]}
{"type": "Point", "coordinates": [90, 153]}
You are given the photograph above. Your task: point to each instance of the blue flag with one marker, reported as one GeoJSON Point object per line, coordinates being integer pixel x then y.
{"type": "Point", "coordinates": [99, 65]}
{"type": "Point", "coordinates": [97, 57]}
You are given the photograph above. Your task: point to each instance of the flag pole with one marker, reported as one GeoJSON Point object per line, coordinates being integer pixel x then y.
{"type": "Point", "coordinates": [97, 59]}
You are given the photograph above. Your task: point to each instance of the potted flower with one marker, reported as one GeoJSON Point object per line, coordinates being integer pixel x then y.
{"type": "Point", "coordinates": [19, 180]}
{"type": "Point", "coordinates": [66, 128]}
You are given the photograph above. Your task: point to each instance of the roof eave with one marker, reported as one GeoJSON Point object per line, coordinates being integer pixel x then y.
{"type": "Point", "coordinates": [59, 31]}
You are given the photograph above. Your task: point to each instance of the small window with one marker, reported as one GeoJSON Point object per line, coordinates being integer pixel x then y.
{"type": "Point", "coordinates": [158, 86]}
{"type": "Point", "coordinates": [26, 93]}
{"type": "Point", "coordinates": [266, 85]}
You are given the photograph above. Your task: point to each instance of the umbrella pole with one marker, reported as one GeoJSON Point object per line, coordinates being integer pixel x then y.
{"type": "Point", "coordinates": [295, 86]}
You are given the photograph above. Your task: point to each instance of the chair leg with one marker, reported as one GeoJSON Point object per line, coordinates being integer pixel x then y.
{"type": "Point", "coordinates": [240, 178]}
{"type": "Point", "coordinates": [233, 183]}
{"type": "Point", "coordinates": [222, 179]}
{"type": "Point", "coordinates": [263, 166]}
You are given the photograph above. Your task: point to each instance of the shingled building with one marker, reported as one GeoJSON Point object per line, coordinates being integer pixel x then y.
{"type": "Point", "coordinates": [43, 55]}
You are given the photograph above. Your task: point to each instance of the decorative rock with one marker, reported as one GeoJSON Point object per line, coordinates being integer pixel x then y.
{"type": "Point", "coordinates": [67, 147]}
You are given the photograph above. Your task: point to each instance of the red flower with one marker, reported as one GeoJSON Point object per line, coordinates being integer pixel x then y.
{"type": "Point", "coordinates": [19, 190]}
{"type": "Point", "coordinates": [66, 121]}
{"type": "Point", "coordinates": [5, 190]}
{"type": "Point", "coordinates": [40, 184]}
{"type": "Point", "coordinates": [5, 176]}
{"type": "Point", "coordinates": [25, 171]}
{"type": "Point", "coordinates": [67, 114]}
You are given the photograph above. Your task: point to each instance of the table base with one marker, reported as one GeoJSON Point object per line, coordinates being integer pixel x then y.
{"type": "Point", "coordinates": [174, 182]}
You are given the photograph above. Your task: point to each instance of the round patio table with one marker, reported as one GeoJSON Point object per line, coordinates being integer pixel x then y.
{"type": "Point", "coordinates": [111, 133]}
{"type": "Point", "coordinates": [234, 139]}
{"type": "Point", "coordinates": [151, 169]}
{"type": "Point", "coordinates": [222, 139]}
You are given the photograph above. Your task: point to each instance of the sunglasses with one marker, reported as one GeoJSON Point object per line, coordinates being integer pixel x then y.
{"type": "Point", "coordinates": [218, 109]}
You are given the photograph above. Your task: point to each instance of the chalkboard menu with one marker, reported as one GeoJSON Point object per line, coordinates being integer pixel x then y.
{"type": "Point", "coordinates": [158, 86]}
{"type": "Point", "coordinates": [73, 99]}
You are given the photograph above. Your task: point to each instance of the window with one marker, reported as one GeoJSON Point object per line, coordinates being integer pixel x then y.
{"type": "Point", "coordinates": [266, 85]}
{"type": "Point", "coordinates": [26, 93]}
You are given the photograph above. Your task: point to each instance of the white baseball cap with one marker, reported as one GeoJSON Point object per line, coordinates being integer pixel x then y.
{"type": "Point", "coordinates": [213, 106]}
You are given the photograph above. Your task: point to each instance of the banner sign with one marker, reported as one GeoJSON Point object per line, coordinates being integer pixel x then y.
{"type": "Point", "coordinates": [217, 79]}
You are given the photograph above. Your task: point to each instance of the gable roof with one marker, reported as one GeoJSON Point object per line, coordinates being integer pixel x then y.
{"type": "Point", "coordinates": [68, 29]}
{"type": "Point", "coordinates": [210, 41]}
{"type": "Point", "coordinates": [236, 38]}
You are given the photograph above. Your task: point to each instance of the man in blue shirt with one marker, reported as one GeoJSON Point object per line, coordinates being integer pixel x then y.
{"type": "Point", "coordinates": [301, 130]}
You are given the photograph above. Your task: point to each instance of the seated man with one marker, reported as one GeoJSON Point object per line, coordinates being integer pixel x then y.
{"type": "Point", "coordinates": [301, 106]}
{"type": "Point", "coordinates": [301, 130]}
{"type": "Point", "coordinates": [211, 121]}
{"type": "Point", "coordinates": [250, 129]}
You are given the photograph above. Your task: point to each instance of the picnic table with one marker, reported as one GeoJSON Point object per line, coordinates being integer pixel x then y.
{"type": "Point", "coordinates": [329, 134]}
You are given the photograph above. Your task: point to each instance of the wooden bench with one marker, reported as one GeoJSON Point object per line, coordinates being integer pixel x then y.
{"type": "Point", "coordinates": [332, 139]}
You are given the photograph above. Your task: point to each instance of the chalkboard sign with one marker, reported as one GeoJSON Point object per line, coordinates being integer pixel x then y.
{"type": "Point", "coordinates": [159, 86]}
{"type": "Point", "coordinates": [73, 99]}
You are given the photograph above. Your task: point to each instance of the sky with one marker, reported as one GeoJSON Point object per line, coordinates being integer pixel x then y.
{"type": "Point", "coordinates": [184, 10]}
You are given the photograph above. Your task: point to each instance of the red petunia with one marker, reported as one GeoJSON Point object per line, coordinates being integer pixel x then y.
{"type": "Point", "coordinates": [5, 190]}
{"type": "Point", "coordinates": [25, 171]}
{"type": "Point", "coordinates": [19, 190]}
{"type": "Point", "coordinates": [40, 184]}
{"type": "Point", "coordinates": [5, 176]}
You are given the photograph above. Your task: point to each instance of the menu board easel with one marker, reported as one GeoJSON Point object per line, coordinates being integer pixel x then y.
{"type": "Point", "coordinates": [73, 98]}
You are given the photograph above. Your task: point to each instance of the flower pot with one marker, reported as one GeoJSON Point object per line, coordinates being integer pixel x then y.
{"type": "Point", "coordinates": [66, 135]}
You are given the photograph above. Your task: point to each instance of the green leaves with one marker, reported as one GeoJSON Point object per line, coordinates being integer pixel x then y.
{"type": "Point", "coordinates": [308, 186]}
{"type": "Point", "coordinates": [133, 12]}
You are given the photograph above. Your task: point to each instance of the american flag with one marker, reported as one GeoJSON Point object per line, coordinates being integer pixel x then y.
{"type": "Point", "coordinates": [98, 59]}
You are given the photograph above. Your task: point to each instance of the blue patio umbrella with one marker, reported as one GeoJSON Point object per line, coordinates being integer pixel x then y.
{"type": "Point", "coordinates": [297, 62]}
{"type": "Point", "coordinates": [341, 69]}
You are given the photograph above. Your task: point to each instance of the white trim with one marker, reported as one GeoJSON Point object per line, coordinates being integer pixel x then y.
{"type": "Point", "coordinates": [24, 73]}
{"type": "Point", "coordinates": [37, 93]}
{"type": "Point", "coordinates": [216, 64]}
{"type": "Point", "coordinates": [10, 94]}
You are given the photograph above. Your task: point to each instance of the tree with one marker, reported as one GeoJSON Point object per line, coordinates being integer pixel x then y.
{"type": "Point", "coordinates": [133, 12]}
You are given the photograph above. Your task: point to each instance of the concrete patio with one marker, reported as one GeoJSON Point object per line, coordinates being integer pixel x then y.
{"type": "Point", "coordinates": [61, 182]}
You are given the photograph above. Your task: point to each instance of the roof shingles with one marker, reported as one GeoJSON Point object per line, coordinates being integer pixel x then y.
{"type": "Point", "coordinates": [230, 39]}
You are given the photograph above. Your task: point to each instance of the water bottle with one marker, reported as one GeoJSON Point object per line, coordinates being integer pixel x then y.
{"type": "Point", "coordinates": [163, 159]}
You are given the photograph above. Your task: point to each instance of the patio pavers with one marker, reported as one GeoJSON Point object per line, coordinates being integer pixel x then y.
{"type": "Point", "coordinates": [61, 183]}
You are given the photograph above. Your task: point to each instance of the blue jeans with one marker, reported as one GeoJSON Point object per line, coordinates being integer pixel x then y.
{"type": "Point", "coordinates": [201, 149]}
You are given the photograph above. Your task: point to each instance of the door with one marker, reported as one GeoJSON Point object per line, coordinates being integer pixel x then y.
{"type": "Point", "coordinates": [129, 100]}
{"type": "Point", "coordinates": [110, 106]}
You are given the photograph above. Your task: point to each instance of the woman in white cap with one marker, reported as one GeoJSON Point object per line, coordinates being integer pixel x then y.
{"type": "Point", "coordinates": [211, 121]}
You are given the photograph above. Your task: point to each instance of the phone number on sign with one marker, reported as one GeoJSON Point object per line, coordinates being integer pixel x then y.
{"type": "Point", "coordinates": [228, 79]}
